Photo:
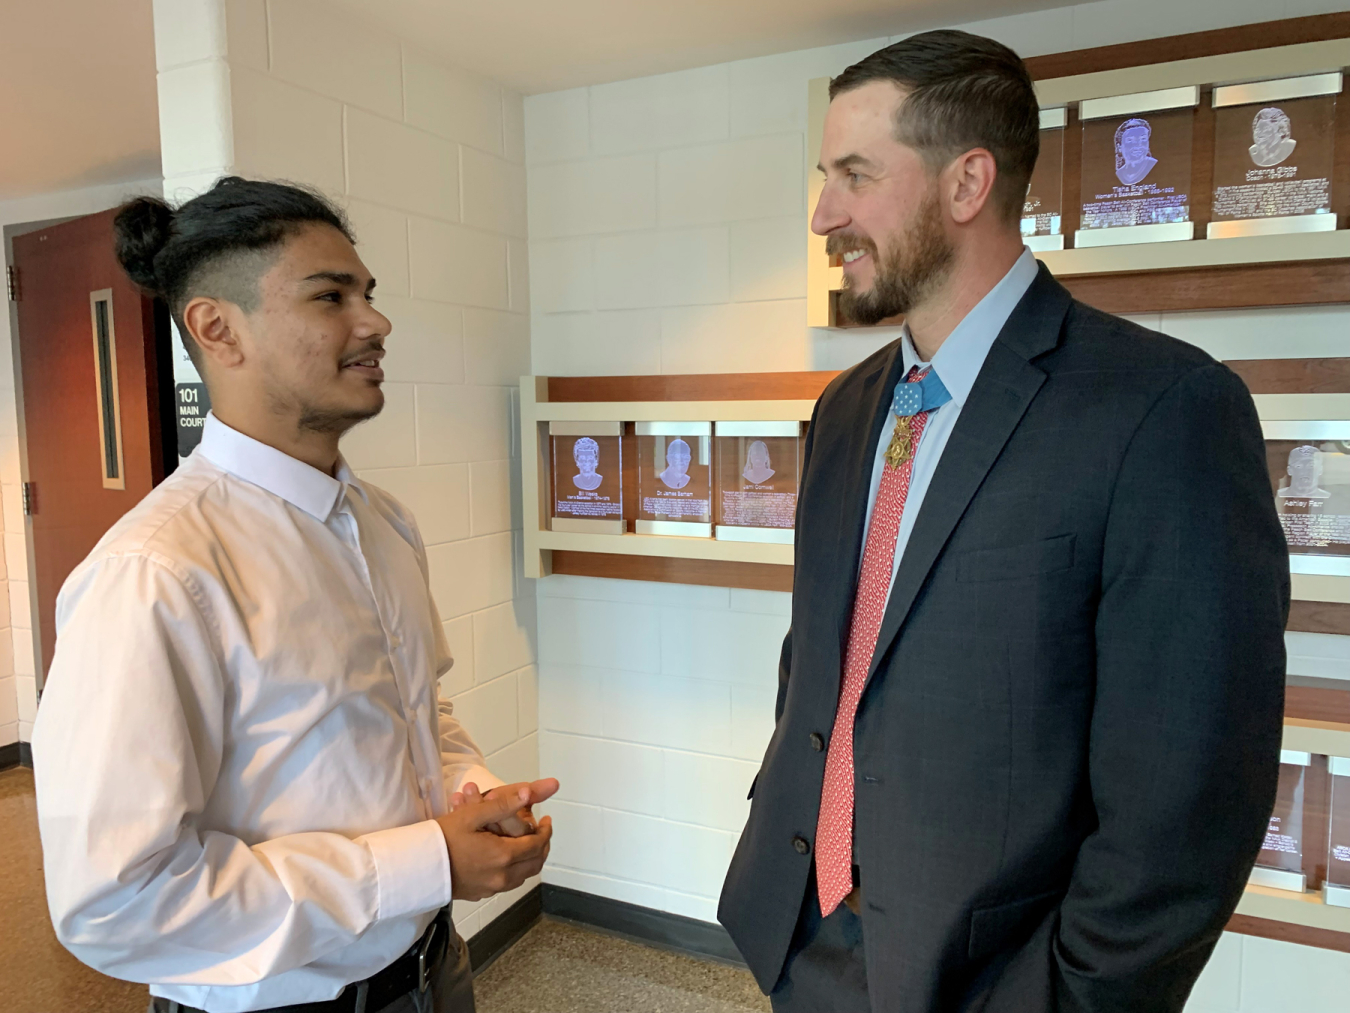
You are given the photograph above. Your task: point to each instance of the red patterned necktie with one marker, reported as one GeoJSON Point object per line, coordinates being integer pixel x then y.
{"type": "Point", "coordinates": [834, 827]}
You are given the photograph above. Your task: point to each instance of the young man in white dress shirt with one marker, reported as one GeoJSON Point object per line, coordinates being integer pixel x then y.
{"type": "Point", "coordinates": [245, 776]}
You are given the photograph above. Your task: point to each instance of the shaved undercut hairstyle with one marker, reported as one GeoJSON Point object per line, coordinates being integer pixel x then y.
{"type": "Point", "coordinates": [963, 91]}
{"type": "Point", "coordinates": [219, 244]}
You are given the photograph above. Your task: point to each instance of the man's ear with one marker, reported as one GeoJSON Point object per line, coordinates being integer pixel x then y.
{"type": "Point", "coordinates": [970, 180]}
{"type": "Point", "coordinates": [212, 323]}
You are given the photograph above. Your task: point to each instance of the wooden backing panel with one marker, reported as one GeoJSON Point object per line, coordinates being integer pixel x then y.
{"type": "Point", "coordinates": [692, 387]}
{"type": "Point", "coordinates": [1215, 42]}
{"type": "Point", "coordinates": [1288, 932]}
{"type": "Point", "coordinates": [1298, 283]}
{"type": "Point", "coordinates": [1293, 376]}
{"type": "Point", "coordinates": [1340, 170]}
{"type": "Point", "coordinates": [1307, 703]}
{"type": "Point", "coordinates": [1202, 161]}
{"type": "Point", "coordinates": [710, 572]}
{"type": "Point", "coordinates": [1316, 820]}
{"type": "Point", "coordinates": [1319, 617]}
{"type": "Point", "coordinates": [1071, 186]}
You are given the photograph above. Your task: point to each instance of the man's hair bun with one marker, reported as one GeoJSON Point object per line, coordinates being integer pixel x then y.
{"type": "Point", "coordinates": [140, 231]}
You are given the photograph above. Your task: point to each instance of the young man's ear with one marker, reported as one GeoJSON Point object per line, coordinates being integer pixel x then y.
{"type": "Point", "coordinates": [209, 323]}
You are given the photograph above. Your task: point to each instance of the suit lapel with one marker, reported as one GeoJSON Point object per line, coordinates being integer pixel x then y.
{"type": "Point", "coordinates": [1006, 384]}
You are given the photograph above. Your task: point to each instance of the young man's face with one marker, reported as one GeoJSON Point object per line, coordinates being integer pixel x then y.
{"type": "Point", "coordinates": [315, 342]}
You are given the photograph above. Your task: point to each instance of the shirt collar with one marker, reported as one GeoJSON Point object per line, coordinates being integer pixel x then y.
{"type": "Point", "coordinates": [280, 474]}
{"type": "Point", "coordinates": [960, 357]}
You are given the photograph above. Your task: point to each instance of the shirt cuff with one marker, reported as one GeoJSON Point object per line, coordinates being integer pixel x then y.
{"type": "Point", "coordinates": [481, 776]}
{"type": "Point", "coordinates": [412, 869]}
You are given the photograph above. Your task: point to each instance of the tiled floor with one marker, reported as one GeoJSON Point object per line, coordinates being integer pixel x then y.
{"type": "Point", "coordinates": [555, 968]}
{"type": "Point", "coordinates": [39, 976]}
{"type": "Point", "coordinates": [562, 968]}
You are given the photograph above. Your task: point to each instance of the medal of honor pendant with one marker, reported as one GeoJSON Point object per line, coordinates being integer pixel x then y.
{"type": "Point", "coordinates": [899, 450]}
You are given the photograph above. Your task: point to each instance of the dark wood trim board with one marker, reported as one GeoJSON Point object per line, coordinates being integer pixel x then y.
{"type": "Point", "coordinates": [642, 924]}
{"type": "Point", "coordinates": [504, 931]}
{"type": "Point", "coordinates": [670, 570]}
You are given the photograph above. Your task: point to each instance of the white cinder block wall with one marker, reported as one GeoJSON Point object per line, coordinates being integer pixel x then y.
{"type": "Point", "coordinates": [430, 163]}
{"type": "Point", "coordinates": [667, 226]}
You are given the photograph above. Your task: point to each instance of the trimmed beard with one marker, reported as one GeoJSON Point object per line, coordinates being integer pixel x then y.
{"type": "Point", "coordinates": [906, 274]}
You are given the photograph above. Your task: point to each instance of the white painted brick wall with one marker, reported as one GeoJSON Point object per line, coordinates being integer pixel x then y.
{"type": "Point", "coordinates": [667, 223]}
{"type": "Point", "coordinates": [429, 162]}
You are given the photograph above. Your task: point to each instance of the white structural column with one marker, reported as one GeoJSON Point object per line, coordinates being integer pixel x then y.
{"type": "Point", "coordinates": [429, 163]}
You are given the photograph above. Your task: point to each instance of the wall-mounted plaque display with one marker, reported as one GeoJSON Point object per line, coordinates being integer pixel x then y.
{"type": "Point", "coordinates": [1309, 468]}
{"type": "Point", "coordinates": [1136, 174]}
{"type": "Point", "coordinates": [1042, 212]}
{"type": "Point", "coordinates": [758, 468]}
{"type": "Point", "coordinates": [1280, 863]}
{"type": "Point", "coordinates": [587, 477]}
{"type": "Point", "coordinates": [1337, 888]}
{"type": "Point", "coordinates": [674, 478]}
{"type": "Point", "coordinates": [1273, 156]}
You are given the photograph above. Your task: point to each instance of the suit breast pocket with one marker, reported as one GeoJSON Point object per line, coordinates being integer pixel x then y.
{"type": "Point", "coordinates": [1015, 562]}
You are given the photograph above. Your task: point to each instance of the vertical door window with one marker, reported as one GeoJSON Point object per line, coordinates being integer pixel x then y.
{"type": "Point", "coordinates": [105, 376]}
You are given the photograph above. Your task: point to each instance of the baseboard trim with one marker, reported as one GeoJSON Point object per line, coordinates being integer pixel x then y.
{"type": "Point", "coordinates": [500, 934]}
{"type": "Point", "coordinates": [642, 924]}
{"type": "Point", "coordinates": [16, 754]}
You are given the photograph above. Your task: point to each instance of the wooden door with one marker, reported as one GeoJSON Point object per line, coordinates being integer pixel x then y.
{"type": "Point", "coordinates": [95, 395]}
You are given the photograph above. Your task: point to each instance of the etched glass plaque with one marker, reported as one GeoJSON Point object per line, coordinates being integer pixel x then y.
{"type": "Point", "coordinates": [1136, 175]}
{"type": "Point", "coordinates": [1273, 157]}
{"type": "Point", "coordinates": [587, 477]}
{"type": "Point", "coordinates": [1337, 891]}
{"type": "Point", "coordinates": [1280, 863]}
{"type": "Point", "coordinates": [1043, 208]}
{"type": "Point", "coordinates": [1310, 478]}
{"type": "Point", "coordinates": [758, 468]}
{"type": "Point", "coordinates": [674, 478]}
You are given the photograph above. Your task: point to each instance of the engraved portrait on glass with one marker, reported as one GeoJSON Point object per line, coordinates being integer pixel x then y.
{"type": "Point", "coordinates": [1311, 482]}
{"type": "Point", "coordinates": [757, 475]}
{"type": "Point", "coordinates": [1134, 161]}
{"type": "Point", "coordinates": [674, 478]}
{"type": "Point", "coordinates": [587, 470]}
{"type": "Point", "coordinates": [1137, 170]}
{"type": "Point", "coordinates": [1273, 162]}
{"type": "Point", "coordinates": [1337, 890]}
{"type": "Point", "coordinates": [1280, 862]}
{"type": "Point", "coordinates": [1043, 208]}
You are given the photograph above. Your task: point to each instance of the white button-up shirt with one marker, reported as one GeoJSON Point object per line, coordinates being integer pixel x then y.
{"type": "Point", "coordinates": [240, 745]}
{"type": "Point", "coordinates": [957, 362]}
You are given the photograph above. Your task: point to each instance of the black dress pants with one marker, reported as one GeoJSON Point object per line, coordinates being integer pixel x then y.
{"type": "Point", "coordinates": [826, 970]}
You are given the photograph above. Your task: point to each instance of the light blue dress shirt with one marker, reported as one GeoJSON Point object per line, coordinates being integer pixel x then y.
{"type": "Point", "coordinates": [958, 362]}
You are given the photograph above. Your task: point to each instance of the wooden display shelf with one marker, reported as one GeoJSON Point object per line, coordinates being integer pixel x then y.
{"type": "Point", "coordinates": [1292, 918]}
{"type": "Point", "coordinates": [1200, 274]}
{"type": "Point", "coordinates": [1329, 738]}
{"type": "Point", "coordinates": [629, 399]}
{"type": "Point", "coordinates": [1317, 720]}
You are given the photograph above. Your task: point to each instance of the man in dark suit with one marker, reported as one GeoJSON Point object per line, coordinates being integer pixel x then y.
{"type": "Point", "coordinates": [1030, 706]}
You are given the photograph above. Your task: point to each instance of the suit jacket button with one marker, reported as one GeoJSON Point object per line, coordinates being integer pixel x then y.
{"type": "Point", "coordinates": [801, 845]}
{"type": "Point", "coordinates": [817, 741]}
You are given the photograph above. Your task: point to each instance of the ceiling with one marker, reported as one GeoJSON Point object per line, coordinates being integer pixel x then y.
{"type": "Point", "coordinates": [77, 77]}
{"type": "Point", "coordinates": [547, 45]}
{"type": "Point", "coordinates": [77, 95]}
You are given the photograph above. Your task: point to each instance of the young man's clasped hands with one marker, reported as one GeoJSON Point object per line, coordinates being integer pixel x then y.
{"type": "Point", "coordinates": [494, 840]}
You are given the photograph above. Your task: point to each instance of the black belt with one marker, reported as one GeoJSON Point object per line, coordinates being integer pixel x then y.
{"type": "Point", "coordinates": [414, 971]}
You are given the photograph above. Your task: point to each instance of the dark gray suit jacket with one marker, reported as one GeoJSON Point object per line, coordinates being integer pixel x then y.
{"type": "Point", "coordinates": [1068, 746]}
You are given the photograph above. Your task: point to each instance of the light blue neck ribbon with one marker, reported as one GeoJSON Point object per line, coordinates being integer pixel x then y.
{"type": "Point", "coordinates": [925, 395]}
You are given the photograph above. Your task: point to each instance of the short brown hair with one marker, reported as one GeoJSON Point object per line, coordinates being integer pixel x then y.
{"type": "Point", "coordinates": [964, 91]}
